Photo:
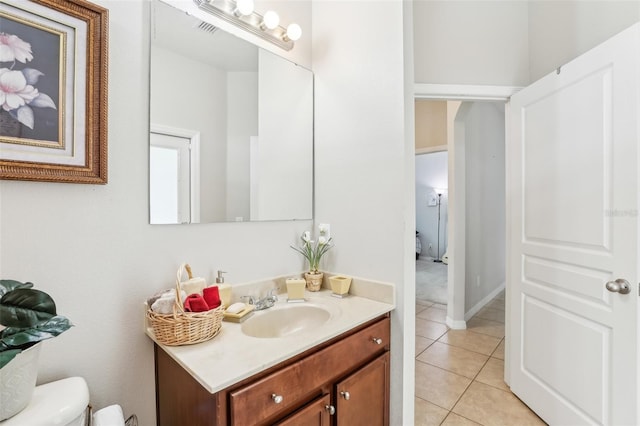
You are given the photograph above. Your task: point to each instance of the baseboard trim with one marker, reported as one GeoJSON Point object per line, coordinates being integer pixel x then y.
{"type": "Point", "coordinates": [456, 325]}
{"type": "Point", "coordinates": [481, 304]}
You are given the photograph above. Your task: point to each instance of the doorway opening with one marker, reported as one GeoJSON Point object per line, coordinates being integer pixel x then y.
{"type": "Point", "coordinates": [475, 249]}
{"type": "Point", "coordinates": [431, 227]}
{"type": "Point", "coordinates": [472, 132]}
{"type": "Point", "coordinates": [174, 175]}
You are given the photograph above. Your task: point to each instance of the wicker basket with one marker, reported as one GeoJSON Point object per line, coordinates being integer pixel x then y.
{"type": "Point", "coordinates": [185, 328]}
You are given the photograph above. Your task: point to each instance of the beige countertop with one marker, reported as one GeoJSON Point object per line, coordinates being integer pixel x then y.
{"type": "Point", "coordinates": [233, 356]}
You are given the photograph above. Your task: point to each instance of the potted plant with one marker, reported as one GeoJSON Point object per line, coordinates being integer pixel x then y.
{"type": "Point", "coordinates": [313, 252]}
{"type": "Point", "coordinates": [27, 316]}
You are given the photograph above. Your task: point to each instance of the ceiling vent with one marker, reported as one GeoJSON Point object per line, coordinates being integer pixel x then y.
{"type": "Point", "coordinates": [205, 26]}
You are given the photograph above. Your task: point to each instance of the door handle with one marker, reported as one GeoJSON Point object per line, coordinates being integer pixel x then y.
{"type": "Point", "coordinates": [620, 285]}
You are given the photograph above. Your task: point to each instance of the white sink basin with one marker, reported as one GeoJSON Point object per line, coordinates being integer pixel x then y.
{"type": "Point", "coordinates": [284, 320]}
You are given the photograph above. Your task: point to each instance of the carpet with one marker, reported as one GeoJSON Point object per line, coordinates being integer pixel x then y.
{"type": "Point", "coordinates": [431, 281]}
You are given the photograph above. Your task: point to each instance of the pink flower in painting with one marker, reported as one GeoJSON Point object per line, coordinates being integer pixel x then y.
{"type": "Point", "coordinates": [12, 48]}
{"type": "Point", "coordinates": [14, 90]}
{"type": "Point", "coordinates": [18, 94]}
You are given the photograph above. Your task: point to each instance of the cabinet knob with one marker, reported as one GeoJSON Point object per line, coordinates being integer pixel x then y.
{"type": "Point", "coordinates": [346, 395]}
{"type": "Point", "coordinates": [277, 398]}
{"type": "Point", "coordinates": [377, 340]}
{"type": "Point", "coordinates": [331, 409]}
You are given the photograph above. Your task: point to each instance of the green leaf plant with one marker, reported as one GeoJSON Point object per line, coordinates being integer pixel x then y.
{"type": "Point", "coordinates": [27, 316]}
{"type": "Point", "coordinates": [313, 250]}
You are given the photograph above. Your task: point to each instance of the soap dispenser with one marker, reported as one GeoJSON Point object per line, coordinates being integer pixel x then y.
{"type": "Point", "coordinates": [223, 289]}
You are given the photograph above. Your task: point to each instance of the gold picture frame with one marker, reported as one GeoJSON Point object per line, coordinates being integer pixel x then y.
{"type": "Point", "coordinates": [53, 91]}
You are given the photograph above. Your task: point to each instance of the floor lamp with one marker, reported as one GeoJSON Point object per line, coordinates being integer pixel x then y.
{"type": "Point", "coordinates": [437, 259]}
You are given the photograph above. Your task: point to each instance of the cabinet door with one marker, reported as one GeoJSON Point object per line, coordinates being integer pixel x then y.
{"type": "Point", "coordinates": [363, 397]}
{"type": "Point", "coordinates": [316, 413]}
{"type": "Point", "coordinates": [298, 382]}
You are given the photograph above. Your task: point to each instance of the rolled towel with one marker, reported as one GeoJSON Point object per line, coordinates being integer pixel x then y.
{"type": "Point", "coordinates": [211, 296]}
{"type": "Point", "coordinates": [163, 305]}
{"type": "Point", "coordinates": [195, 303]}
{"type": "Point", "coordinates": [158, 295]}
{"type": "Point", "coordinates": [193, 285]}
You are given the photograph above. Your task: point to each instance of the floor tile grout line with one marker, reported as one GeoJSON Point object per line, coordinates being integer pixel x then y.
{"type": "Point", "coordinates": [433, 403]}
{"type": "Point", "coordinates": [466, 389]}
{"type": "Point", "coordinates": [484, 364]}
{"type": "Point", "coordinates": [460, 397]}
{"type": "Point", "coordinates": [471, 381]}
{"type": "Point", "coordinates": [475, 380]}
{"type": "Point", "coordinates": [460, 415]}
{"type": "Point", "coordinates": [444, 369]}
{"type": "Point", "coordinates": [470, 350]}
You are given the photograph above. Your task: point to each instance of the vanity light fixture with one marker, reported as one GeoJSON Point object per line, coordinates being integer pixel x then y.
{"type": "Point", "coordinates": [294, 32]}
{"type": "Point", "coordinates": [244, 8]}
{"type": "Point", "coordinates": [270, 20]}
{"type": "Point", "coordinates": [241, 13]}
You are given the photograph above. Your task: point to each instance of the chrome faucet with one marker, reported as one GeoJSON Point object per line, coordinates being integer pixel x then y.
{"type": "Point", "coordinates": [264, 303]}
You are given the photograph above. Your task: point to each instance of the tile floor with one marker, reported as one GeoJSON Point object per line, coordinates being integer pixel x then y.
{"type": "Point", "coordinates": [459, 373]}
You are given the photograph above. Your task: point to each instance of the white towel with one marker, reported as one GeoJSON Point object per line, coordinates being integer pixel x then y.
{"type": "Point", "coordinates": [193, 286]}
{"type": "Point", "coordinates": [164, 305]}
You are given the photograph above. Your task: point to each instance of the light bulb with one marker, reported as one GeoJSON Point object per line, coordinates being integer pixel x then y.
{"type": "Point", "coordinates": [294, 32]}
{"type": "Point", "coordinates": [244, 7]}
{"type": "Point", "coordinates": [271, 20]}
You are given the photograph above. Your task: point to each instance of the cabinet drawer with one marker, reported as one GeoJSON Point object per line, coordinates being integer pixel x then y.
{"type": "Point", "coordinates": [316, 413]}
{"type": "Point", "coordinates": [287, 388]}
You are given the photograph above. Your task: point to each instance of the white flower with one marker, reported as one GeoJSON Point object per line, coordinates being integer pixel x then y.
{"type": "Point", "coordinates": [12, 48]}
{"type": "Point", "coordinates": [14, 90]}
{"type": "Point", "coordinates": [313, 251]}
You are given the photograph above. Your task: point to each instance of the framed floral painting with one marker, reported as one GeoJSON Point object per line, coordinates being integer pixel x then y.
{"type": "Point", "coordinates": [53, 91]}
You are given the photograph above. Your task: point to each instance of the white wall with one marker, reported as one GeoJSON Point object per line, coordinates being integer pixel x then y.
{"type": "Point", "coordinates": [199, 105]}
{"type": "Point", "coordinates": [361, 156]}
{"type": "Point", "coordinates": [559, 31]}
{"type": "Point", "coordinates": [511, 43]}
{"type": "Point", "coordinates": [485, 200]}
{"type": "Point", "coordinates": [471, 42]}
{"type": "Point", "coordinates": [431, 173]}
{"type": "Point", "coordinates": [92, 249]}
{"type": "Point", "coordinates": [242, 123]}
{"type": "Point", "coordinates": [285, 142]}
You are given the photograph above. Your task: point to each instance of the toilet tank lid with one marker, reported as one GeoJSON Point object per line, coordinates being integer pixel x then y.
{"type": "Point", "coordinates": [56, 403]}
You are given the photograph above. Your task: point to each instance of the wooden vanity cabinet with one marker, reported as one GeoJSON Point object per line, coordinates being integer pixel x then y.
{"type": "Point", "coordinates": [342, 382]}
{"type": "Point", "coordinates": [361, 399]}
{"type": "Point", "coordinates": [316, 413]}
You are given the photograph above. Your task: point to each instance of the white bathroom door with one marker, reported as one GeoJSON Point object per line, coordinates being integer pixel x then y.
{"type": "Point", "coordinates": [572, 167]}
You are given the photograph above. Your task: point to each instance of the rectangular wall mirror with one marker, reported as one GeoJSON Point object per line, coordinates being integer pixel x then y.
{"type": "Point", "coordinates": [231, 127]}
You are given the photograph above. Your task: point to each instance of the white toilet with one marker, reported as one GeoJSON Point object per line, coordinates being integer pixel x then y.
{"type": "Point", "coordinates": [63, 403]}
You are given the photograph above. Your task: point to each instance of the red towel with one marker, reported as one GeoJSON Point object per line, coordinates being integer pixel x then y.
{"type": "Point", "coordinates": [212, 296]}
{"type": "Point", "coordinates": [195, 303]}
